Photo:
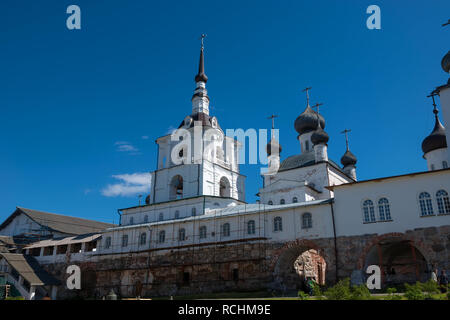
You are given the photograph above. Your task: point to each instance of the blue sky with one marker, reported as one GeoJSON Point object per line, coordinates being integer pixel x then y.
{"type": "Point", "coordinates": [79, 107]}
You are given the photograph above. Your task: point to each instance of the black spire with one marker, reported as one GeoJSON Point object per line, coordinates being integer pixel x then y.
{"type": "Point", "coordinates": [201, 76]}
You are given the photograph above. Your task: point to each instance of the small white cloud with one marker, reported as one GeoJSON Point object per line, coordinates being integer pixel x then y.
{"type": "Point", "coordinates": [144, 137]}
{"type": "Point", "coordinates": [124, 146]}
{"type": "Point", "coordinates": [87, 191]}
{"type": "Point", "coordinates": [130, 185]}
{"type": "Point", "coordinates": [170, 130]}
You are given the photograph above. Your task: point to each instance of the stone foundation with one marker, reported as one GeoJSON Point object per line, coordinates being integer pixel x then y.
{"type": "Point", "coordinates": [252, 266]}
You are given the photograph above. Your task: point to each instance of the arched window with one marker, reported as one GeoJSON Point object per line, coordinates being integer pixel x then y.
{"type": "Point", "coordinates": [176, 187]}
{"type": "Point", "coordinates": [226, 229]}
{"type": "Point", "coordinates": [277, 224]}
{"type": "Point", "coordinates": [426, 206]}
{"type": "Point", "coordinates": [306, 145]}
{"type": "Point", "coordinates": [384, 210]}
{"type": "Point", "coordinates": [294, 200]}
{"type": "Point", "coordinates": [202, 232]}
{"type": "Point", "coordinates": [443, 202]}
{"type": "Point", "coordinates": [270, 202]}
{"type": "Point", "coordinates": [282, 201]}
{"type": "Point", "coordinates": [251, 227]}
{"type": "Point", "coordinates": [161, 216]}
{"type": "Point", "coordinates": [225, 190]}
{"type": "Point", "coordinates": [177, 214]}
{"type": "Point", "coordinates": [143, 238]}
{"type": "Point", "coordinates": [108, 243]}
{"type": "Point", "coordinates": [444, 164]}
{"type": "Point", "coordinates": [181, 234]}
{"type": "Point", "coordinates": [368, 210]}
{"type": "Point", "coordinates": [193, 211]}
{"type": "Point", "coordinates": [306, 220]}
{"type": "Point", "coordinates": [124, 240]}
{"type": "Point", "coordinates": [162, 236]}
{"type": "Point", "coordinates": [145, 219]}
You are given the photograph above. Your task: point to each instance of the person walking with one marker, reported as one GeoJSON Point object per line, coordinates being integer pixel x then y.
{"type": "Point", "coordinates": [434, 275]}
{"type": "Point", "coordinates": [443, 281]}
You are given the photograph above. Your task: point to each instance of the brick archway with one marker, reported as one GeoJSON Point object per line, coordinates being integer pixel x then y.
{"type": "Point", "coordinates": [424, 249]}
{"type": "Point", "coordinates": [295, 262]}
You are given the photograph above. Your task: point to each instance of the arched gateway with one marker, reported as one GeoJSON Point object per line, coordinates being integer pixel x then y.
{"type": "Point", "coordinates": [295, 262]}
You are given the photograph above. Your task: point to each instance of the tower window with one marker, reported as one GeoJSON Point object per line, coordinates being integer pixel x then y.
{"type": "Point", "coordinates": [277, 224]}
{"type": "Point", "coordinates": [161, 216]}
{"type": "Point", "coordinates": [426, 206]}
{"type": "Point", "coordinates": [193, 212]}
{"type": "Point", "coordinates": [368, 211]}
{"type": "Point", "coordinates": [306, 220]}
{"type": "Point", "coordinates": [131, 220]}
{"type": "Point", "coordinates": [306, 145]}
{"type": "Point", "coordinates": [176, 187]}
{"type": "Point", "coordinates": [177, 214]}
{"type": "Point", "coordinates": [282, 201]}
{"type": "Point", "coordinates": [145, 219]}
{"type": "Point", "coordinates": [294, 200]}
{"type": "Point", "coordinates": [224, 187]}
{"type": "Point", "coordinates": [444, 164]}
{"type": "Point", "coordinates": [270, 202]}
{"type": "Point", "coordinates": [443, 202]}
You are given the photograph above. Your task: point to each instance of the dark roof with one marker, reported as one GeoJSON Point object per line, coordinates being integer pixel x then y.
{"type": "Point", "coordinates": [319, 136]}
{"type": "Point", "coordinates": [29, 269]}
{"type": "Point", "coordinates": [436, 139]}
{"type": "Point", "coordinates": [274, 146]}
{"type": "Point", "coordinates": [305, 160]}
{"type": "Point", "coordinates": [200, 116]}
{"type": "Point", "coordinates": [201, 76]}
{"type": "Point", "coordinates": [59, 223]}
{"type": "Point", "coordinates": [445, 63]}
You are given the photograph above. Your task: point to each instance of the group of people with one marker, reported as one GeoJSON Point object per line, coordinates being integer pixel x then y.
{"type": "Point", "coordinates": [441, 279]}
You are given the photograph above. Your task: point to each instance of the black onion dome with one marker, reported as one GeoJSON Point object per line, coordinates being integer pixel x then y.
{"type": "Point", "coordinates": [319, 136]}
{"type": "Point", "coordinates": [274, 146]}
{"type": "Point", "coordinates": [348, 159]}
{"type": "Point", "coordinates": [436, 139]}
{"type": "Point", "coordinates": [307, 121]}
{"type": "Point", "coordinates": [445, 63]}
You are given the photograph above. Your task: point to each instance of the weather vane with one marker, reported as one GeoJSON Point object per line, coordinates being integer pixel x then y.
{"type": "Point", "coordinates": [346, 131]}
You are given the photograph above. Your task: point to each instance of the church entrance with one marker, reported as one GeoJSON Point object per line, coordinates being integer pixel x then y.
{"type": "Point", "coordinates": [296, 265]}
{"type": "Point", "coordinates": [399, 261]}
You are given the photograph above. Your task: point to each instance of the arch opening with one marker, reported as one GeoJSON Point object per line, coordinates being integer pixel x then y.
{"type": "Point", "coordinates": [224, 190]}
{"type": "Point", "coordinates": [176, 187]}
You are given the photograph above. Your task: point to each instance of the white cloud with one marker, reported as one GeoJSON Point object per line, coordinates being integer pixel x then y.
{"type": "Point", "coordinates": [144, 137]}
{"type": "Point", "coordinates": [129, 185]}
{"type": "Point", "coordinates": [124, 146]}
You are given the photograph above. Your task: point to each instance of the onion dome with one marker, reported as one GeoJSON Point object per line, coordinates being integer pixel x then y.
{"type": "Point", "coordinates": [348, 159]}
{"type": "Point", "coordinates": [319, 136]}
{"type": "Point", "coordinates": [307, 121]}
{"type": "Point", "coordinates": [436, 139]}
{"type": "Point", "coordinates": [273, 146]}
{"type": "Point", "coordinates": [445, 63]}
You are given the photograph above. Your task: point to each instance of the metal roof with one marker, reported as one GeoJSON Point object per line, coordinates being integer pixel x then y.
{"type": "Point", "coordinates": [29, 269]}
{"type": "Point", "coordinates": [63, 241]}
{"type": "Point", "coordinates": [59, 223]}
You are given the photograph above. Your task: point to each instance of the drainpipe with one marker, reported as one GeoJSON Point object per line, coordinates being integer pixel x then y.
{"type": "Point", "coordinates": [335, 240]}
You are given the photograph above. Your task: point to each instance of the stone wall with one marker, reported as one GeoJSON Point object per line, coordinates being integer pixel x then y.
{"type": "Point", "coordinates": [241, 266]}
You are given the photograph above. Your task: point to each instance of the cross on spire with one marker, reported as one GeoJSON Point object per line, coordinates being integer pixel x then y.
{"type": "Point", "coordinates": [432, 95]}
{"type": "Point", "coordinates": [447, 23]}
{"type": "Point", "coordinates": [317, 105]}
{"type": "Point", "coordinates": [202, 37]}
{"type": "Point", "coordinates": [346, 131]}
{"type": "Point", "coordinates": [273, 116]}
{"type": "Point", "coordinates": [307, 94]}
